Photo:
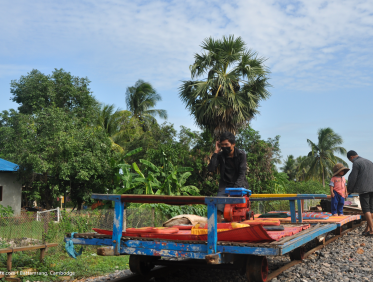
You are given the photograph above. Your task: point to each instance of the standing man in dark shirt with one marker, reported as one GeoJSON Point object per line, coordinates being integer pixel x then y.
{"type": "Point", "coordinates": [360, 181]}
{"type": "Point", "coordinates": [233, 166]}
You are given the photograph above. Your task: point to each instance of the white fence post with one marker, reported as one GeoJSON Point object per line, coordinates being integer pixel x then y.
{"type": "Point", "coordinates": [37, 216]}
{"type": "Point", "coordinates": [58, 214]}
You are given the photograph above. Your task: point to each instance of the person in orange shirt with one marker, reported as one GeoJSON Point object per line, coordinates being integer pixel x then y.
{"type": "Point", "coordinates": [338, 189]}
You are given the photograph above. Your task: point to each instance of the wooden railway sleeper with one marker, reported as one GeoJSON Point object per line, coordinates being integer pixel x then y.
{"type": "Point", "coordinates": [297, 254]}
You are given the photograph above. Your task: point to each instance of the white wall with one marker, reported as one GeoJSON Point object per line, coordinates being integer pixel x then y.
{"type": "Point", "coordinates": [12, 191]}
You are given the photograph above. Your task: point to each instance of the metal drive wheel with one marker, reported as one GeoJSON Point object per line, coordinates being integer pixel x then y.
{"type": "Point", "coordinates": [141, 264]}
{"type": "Point", "coordinates": [249, 215]}
{"type": "Point", "coordinates": [256, 268]}
{"type": "Point", "coordinates": [297, 254]}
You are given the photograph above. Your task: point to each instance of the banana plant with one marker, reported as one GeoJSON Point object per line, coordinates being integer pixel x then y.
{"type": "Point", "coordinates": [124, 179]}
{"type": "Point", "coordinates": [149, 181]}
{"type": "Point", "coordinates": [172, 180]}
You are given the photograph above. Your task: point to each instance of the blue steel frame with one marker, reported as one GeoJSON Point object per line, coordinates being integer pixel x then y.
{"type": "Point", "coordinates": [292, 200]}
{"type": "Point", "coordinates": [198, 250]}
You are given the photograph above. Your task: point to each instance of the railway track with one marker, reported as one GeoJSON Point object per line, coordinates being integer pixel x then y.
{"type": "Point", "coordinates": [169, 267]}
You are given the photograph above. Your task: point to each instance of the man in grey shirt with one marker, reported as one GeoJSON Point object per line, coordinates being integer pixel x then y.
{"type": "Point", "coordinates": [360, 181]}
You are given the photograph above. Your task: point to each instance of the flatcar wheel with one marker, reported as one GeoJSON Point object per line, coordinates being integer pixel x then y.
{"type": "Point", "coordinates": [256, 269]}
{"type": "Point", "coordinates": [249, 215]}
{"type": "Point", "coordinates": [297, 254]}
{"type": "Point", "coordinates": [141, 264]}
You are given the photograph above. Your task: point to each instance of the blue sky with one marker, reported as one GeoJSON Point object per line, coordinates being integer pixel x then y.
{"type": "Point", "coordinates": [320, 54]}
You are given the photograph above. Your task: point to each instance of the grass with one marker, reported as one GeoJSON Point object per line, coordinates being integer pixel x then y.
{"type": "Point", "coordinates": [57, 260]}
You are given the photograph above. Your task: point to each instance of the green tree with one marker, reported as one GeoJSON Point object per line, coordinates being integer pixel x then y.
{"type": "Point", "coordinates": [37, 91]}
{"type": "Point", "coordinates": [52, 137]}
{"type": "Point", "coordinates": [191, 149]}
{"type": "Point", "coordinates": [141, 99]}
{"type": "Point", "coordinates": [67, 154]}
{"type": "Point", "coordinates": [261, 159]}
{"type": "Point", "coordinates": [301, 171]}
{"type": "Point", "coordinates": [290, 167]}
{"type": "Point", "coordinates": [118, 125]}
{"type": "Point", "coordinates": [158, 136]}
{"type": "Point", "coordinates": [228, 83]}
{"type": "Point", "coordinates": [322, 158]}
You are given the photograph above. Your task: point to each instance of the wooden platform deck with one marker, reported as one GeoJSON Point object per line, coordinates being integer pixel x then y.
{"type": "Point", "coordinates": [339, 220]}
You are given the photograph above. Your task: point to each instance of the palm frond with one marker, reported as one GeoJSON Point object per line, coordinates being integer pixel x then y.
{"type": "Point", "coordinates": [236, 82]}
{"type": "Point", "coordinates": [142, 98]}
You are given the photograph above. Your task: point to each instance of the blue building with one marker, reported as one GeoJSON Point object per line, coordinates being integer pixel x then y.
{"type": "Point", "coordinates": [10, 186]}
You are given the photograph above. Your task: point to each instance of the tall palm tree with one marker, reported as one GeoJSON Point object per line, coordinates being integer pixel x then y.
{"type": "Point", "coordinates": [228, 82]}
{"type": "Point", "coordinates": [290, 167]}
{"type": "Point", "coordinates": [321, 158]}
{"type": "Point", "coordinates": [141, 99]}
{"type": "Point", "coordinates": [117, 124]}
{"type": "Point", "coordinates": [301, 171]}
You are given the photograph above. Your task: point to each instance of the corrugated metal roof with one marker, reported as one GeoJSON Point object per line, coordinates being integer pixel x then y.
{"type": "Point", "coordinates": [7, 166]}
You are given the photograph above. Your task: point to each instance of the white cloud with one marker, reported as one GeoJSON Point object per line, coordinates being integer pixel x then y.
{"type": "Point", "coordinates": [156, 40]}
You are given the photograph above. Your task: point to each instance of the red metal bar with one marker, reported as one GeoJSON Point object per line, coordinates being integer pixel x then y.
{"type": "Point", "coordinates": [172, 200]}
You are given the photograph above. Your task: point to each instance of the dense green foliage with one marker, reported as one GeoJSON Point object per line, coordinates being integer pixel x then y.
{"type": "Point", "coordinates": [6, 211]}
{"type": "Point", "coordinates": [67, 144]}
{"type": "Point", "coordinates": [290, 167]}
{"type": "Point", "coordinates": [261, 158]}
{"type": "Point", "coordinates": [55, 145]}
{"type": "Point", "coordinates": [37, 92]}
{"type": "Point", "coordinates": [119, 125]}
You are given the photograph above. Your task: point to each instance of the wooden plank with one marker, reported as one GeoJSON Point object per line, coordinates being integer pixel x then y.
{"type": "Point", "coordinates": [282, 199]}
{"type": "Point", "coordinates": [13, 279]}
{"type": "Point", "coordinates": [272, 195]}
{"type": "Point", "coordinates": [7, 250]}
{"type": "Point", "coordinates": [180, 200]}
{"type": "Point", "coordinates": [282, 269]}
{"type": "Point", "coordinates": [36, 247]}
{"type": "Point", "coordinates": [42, 254]}
{"type": "Point", "coordinates": [300, 235]}
{"type": "Point", "coordinates": [105, 251]}
{"type": "Point", "coordinates": [28, 248]}
{"type": "Point", "coordinates": [286, 239]}
{"type": "Point", "coordinates": [291, 245]}
{"type": "Point", "coordinates": [9, 262]}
